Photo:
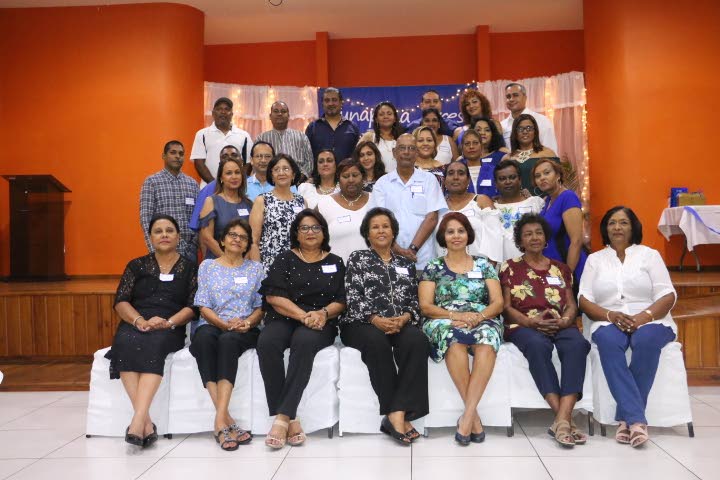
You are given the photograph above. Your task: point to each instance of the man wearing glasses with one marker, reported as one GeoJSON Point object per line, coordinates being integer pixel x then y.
{"type": "Point", "coordinates": [286, 140]}
{"type": "Point", "coordinates": [515, 100]}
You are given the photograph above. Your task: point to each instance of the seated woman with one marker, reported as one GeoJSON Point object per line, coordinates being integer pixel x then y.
{"type": "Point", "coordinates": [382, 321]}
{"type": "Point", "coordinates": [563, 212]}
{"type": "Point", "coordinates": [346, 209]}
{"type": "Point", "coordinates": [386, 129]}
{"type": "Point", "coordinates": [511, 203]}
{"type": "Point", "coordinates": [447, 150]}
{"type": "Point", "coordinates": [461, 299]}
{"type": "Point", "coordinates": [479, 210]}
{"type": "Point", "coordinates": [540, 312]}
{"type": "Point", "coordinates": [324, 178]}
{"type": "Point", "coordinates": [230, 304]}
{"type": "Point", "coordinates": [227, 202]}
{"type": "Point", "coordinates": [626, 290]}
{"type": "Point", "coordinates": [304, 293]}
{"type": "Point", "coordinates": [369, 157]}
{"type": "Point", "coordinates": [155, 296]}
{"type": "Point", "coordinates": [274, 211]}
{"type": "Point", "coordinates": [426, 151]}
{"type": "Point", "coordinates": [525, 147]}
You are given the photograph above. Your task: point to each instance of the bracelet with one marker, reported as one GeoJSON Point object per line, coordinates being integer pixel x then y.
{"type": "Point", "coordinates": [451, 319]}
{"type": "Point", "coordinates": [136, 319]}
{"type": "Point", "coordinates": [482, 314]}
{"type": "Point", "coordinates": [650, 313]}
{"type": "Point", "coordinates": [172, 325]}
{"type": "Point", "coordinates": [327, 314]}
{"type": "Point", "coordinates": [607, 315]}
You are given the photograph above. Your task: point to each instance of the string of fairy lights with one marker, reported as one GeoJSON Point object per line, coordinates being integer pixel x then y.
{"type": "Point", "coordinates": [452, 98]}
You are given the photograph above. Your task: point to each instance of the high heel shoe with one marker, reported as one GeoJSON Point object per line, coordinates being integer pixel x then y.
{"type": "Point", "coordinates": [387, 428]}
{"type": "Point", "coordinates": [133, 439]}
{"type": "Point", "coordinates": [463, 440]}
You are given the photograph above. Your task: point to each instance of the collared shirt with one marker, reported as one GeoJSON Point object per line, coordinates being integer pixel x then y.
{"type": "Point", "coordinates": [165, 193]}
{"type": "Point", "coordinates": [547, 131]}
{"type": "Point", "coordinates": [255, 188]}
{"type": "Point", "coordinates": [293, 143]}
{"type": "Point", "coordinates": [342, 139]}
{"type": "Point", "coordinates": [210, 140]}
{"type": "Point", "coordinates": [410, 202]}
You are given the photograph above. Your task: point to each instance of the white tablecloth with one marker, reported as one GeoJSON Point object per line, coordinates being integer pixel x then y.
{"type": "Point", "coordinates": [678, 220]}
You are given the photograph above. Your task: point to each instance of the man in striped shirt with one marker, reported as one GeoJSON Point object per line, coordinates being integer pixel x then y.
{"type": "Point", "coordinates": [286, 140]}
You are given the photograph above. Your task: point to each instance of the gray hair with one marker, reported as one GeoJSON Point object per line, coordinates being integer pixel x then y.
{"type": "Point", "coordinates": [333, 90]}
{"type": "Point", "coordinates": [513, 84]}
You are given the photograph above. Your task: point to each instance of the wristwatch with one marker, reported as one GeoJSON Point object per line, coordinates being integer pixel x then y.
{"type": "Point", "coordinates": [172, 325]}
{"type": "Point", "coordinates": [413, 247]}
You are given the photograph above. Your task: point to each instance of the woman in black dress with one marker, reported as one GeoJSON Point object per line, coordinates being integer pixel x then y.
{"type": "Point", "coordinates": [154, 302]}
{"type": "Point", "coordinates": [304, 292]}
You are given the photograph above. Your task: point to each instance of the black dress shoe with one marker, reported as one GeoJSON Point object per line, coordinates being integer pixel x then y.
{"type": "Point", "coordinates": [387, 428]}
{"type": "Point", "coordinates": [477, 437]}
{"type": "Point", "coordinates": [133, 439]}
{"type": "Point", "coordinates": [463, 440]}
{"type": "Point", "coordinates": [151, 438]}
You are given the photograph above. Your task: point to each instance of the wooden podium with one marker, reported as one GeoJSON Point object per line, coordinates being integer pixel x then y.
{"type": "Point", "coordinates": [37, 228]}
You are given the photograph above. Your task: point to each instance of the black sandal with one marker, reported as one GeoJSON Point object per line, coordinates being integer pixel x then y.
{"type": "Point", "coordinates": [412, 434]}
{"type": "Point", "coordinates": [387, 428]}
{"type": "Point", "coordinates": [151, 438]}
{"type": "Point", "coordinates": [227, 439]}
{"type": "Point", "coordinates": [240, 432]}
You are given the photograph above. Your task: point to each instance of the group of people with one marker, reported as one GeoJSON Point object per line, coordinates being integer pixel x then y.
{"type": "Point", "coordinates": [406, 252]}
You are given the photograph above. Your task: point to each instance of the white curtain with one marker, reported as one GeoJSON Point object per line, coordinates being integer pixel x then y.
{"type": "Point", "coordinates": [252, 103]}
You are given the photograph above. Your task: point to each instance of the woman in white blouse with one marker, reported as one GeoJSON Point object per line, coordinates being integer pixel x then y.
{"type": "Point", "coordinates": [626, 290]}
{"type": "Point", "coordinates": [385, 131]}
{"type": "Point", "coordinates": [323, 180]}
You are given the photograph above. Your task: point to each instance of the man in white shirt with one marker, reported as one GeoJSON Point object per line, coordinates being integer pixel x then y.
{"type": "Point", "coordinates": [286, 140]}
{"type": "Point", "coordinates": [515, 100]}
{"type": "Point", "coordinates": [415, 197]}
{"type": "Point", "coordinates": [210, 140]}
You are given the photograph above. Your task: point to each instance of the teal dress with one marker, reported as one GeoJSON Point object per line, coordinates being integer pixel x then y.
{"type": "Point", "coordinates": [465, 292]}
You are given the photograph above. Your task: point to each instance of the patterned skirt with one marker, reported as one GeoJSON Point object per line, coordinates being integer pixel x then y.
{"type": "Point", "coordinates": [442, 335]}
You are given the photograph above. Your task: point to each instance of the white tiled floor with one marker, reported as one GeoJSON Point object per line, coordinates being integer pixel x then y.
{"type": "Point", "coordinates": [42, 437]}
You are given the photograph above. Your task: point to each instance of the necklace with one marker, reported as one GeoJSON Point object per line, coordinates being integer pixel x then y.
{"type": "Point", "coordinates": [351, 202]}
{"type": "Point", "coordinates": [166, 268]}
{"type": "Point", "coordinates": [303, 256]}
{"type": "Point", "coordinates": [325, 191]}
{"type": "Point", "coordinates": [523, 155]}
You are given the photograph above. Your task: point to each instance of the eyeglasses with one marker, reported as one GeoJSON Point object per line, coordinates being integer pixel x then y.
{"type": "Point", "coordinates": [306, 228]}
{"type": "Point", "coordinates": [260, 156]}
{"type": "Point", "coordinates": [238, 236]}
{"type": "Point", "coordinates": [526, 129]}
{"type": "Point", "coordinates": [281, 169]}
{"type": "Point", "coordinates": [406, 148]}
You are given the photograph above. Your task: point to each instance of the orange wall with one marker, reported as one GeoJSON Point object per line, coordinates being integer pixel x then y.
{"type": "Point", "coordinates": [651, 76]}
{"type": "Point", "coordinates": [90, 95]}
{"type": "Point", "coordinates": [439, 59]}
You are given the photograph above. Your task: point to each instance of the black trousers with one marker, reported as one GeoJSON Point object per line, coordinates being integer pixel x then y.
{"type": "Point", "coordinates": [405, 389]}
{"type": "Point", "coordinates": [284, 390]}
{"type": "Point", "coordinates": [217, 351]}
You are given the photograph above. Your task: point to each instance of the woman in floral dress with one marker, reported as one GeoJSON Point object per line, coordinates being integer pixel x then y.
{"type": "Point", "coordinates": [460, 297]}
{"type": "Point", "coordinates": [540, 314]}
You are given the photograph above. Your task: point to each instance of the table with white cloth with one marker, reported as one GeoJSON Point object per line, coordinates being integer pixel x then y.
{"type": "Point", "coordinates": [699, 224]}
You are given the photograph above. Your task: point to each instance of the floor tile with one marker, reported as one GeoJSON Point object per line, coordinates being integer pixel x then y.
{"type": "Point", "coordinates": [85, 469]}
{"type": "Point", "coordinates": [704, 415]}
{"type": "Point", "coordinates": [114, 447]}
{"type": "Point", "coordinates": [33, 443]}
{"type": "Point", "coordinates": [29, 399]}
{"type": "Point", "coordinates": [10, 413]}
{"type": "Point", "coordinates": [49, 417]}
{"type": "Point", "coordinates": [705, 468]}
{"type": "Point", "coordinates": [705, 444]}
{"type": "Point", "coordinates": [507, 468]}
{"type": "Point", "coordinates": [203, 445]}
{"type": "Point", "coordinates": [604, 468]}
{"type": "Point", "coordinates": [211, 468]}
{"type": "Point", "coordinates": [441, 443]}
{"type": "Point", "coordinates": [350, 445]}
{"type": "Point", "coordinates": [344, 468]}
{"type": "Point", "coordinates": [8, 467]}
{"type": "Point", "coordinates": [72, 399]}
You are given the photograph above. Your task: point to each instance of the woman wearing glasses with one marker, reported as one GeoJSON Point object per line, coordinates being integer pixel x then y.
{"type": "Point", "coordinates": [526, 149]}
{"type": "Point", "coordinates": [304, 293]}
{"type": "Point", "coordinates": [273, 212]}
{"type": "Point", "coordinates": [230, 311]}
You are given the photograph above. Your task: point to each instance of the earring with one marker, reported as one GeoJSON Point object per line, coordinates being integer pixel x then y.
{"type": "Point", "coordinates": [546, 244]}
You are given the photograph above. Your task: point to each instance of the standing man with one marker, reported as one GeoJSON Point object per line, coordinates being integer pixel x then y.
{"type": "Point", "coordinates": [415, 197]}
{"type": "Point", "coordinates": [173, 193]}
{"type": "Point", "coordinates": [515, 100]}
{"type": "Point", "coordinates": [210, 140]}
{"type": "Point", "coordinates": [431, 99]}
{"type": "Point", "coordinates": [286, 140]}
{"type": "Point", "coordinates": [331, 130]}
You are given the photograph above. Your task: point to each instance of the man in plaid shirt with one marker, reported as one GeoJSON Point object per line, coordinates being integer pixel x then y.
{"type": "Point", "coordinates": [173, 193]}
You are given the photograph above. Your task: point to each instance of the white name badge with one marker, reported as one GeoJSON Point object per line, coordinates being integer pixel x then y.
{"type": "Point", "coordinates": [487, 160]}
{"type": "Point", "coordinates": [475, 274]}
{"type": "Point", "coordinates": [297, 209]}
{"type": "Point", "coordinates": [189, 201]}
{"type": "Point", "coordinates": [241, 280]}
{"type": "Point", "coordinates": [468, 212]}
{"type": "Point", "coordinates": [167, 277]}
{"type": "Point", "coordinates": [402, 270]}
{"type": "Point", "coordinates": [416, 188]}
{"type": "Point", "coordinates": [524, 210]}
{"type": "Point", "coordinates": [553, 281]}
{"type": "Point", "coordinates": [344, 219]}
{"type": "Point", "coordinates": [486, 183]}
{"type": "Point", "coordinates": [329, 268]}
{"type": "Point", "coordinates": [243, 212]}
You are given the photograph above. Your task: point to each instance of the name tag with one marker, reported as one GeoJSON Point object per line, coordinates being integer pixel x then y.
{"type": "Point", "coordinates": [468, 212]}
{"type": "Point", "coordinates": [189, 201]}
{"type": "Point", "coordinates": [416, 189]}
{"type": "Point", "coordinates": [329, 268]}
{"type": "Point", "coordinates": [402, 270]}
{"type": "Point", "coordinates": [243, 212]}
{"type": "Point", "coordinates": [344, 219]}
{"type": "Point", "coordinates": [297, 209]}
{"type": "Point", "coordinates": [486, 183]}
{"type": "Point", "coordinates": [240, 280]}
{"type": "Point", "coordinates": [553, 281]}
{"type": "Point", "coordinates": [524, 210]}
{"type": "Point", "coordinates": [487, 160]}
{"type": "Point", "coordinates": [475, 274]}
{"type": "Point", "coordinates": [167, 277]}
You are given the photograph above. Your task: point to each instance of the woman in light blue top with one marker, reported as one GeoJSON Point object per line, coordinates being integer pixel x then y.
{"type": "Point", "coordinates": [230, 307]}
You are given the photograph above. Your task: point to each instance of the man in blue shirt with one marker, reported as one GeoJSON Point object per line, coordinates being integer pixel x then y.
{"type": "Point", "coordinates": [331, 130]}
{"type": "Point", "coordinates": [431, 99]}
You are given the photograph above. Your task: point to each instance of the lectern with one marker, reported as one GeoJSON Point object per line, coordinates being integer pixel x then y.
{"type": "Point", "coordinates": [37, 227]}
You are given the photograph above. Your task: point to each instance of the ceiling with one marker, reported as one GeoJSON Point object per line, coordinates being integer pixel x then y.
{"type": "Point", "coordinates": [252, 21]}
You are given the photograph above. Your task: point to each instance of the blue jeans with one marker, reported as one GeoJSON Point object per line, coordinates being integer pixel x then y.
{"type": "Point", "coordinates": [630, 385]}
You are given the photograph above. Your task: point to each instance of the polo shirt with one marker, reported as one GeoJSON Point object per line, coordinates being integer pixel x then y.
{"type": "Point", "coordinates": [210, 140]}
